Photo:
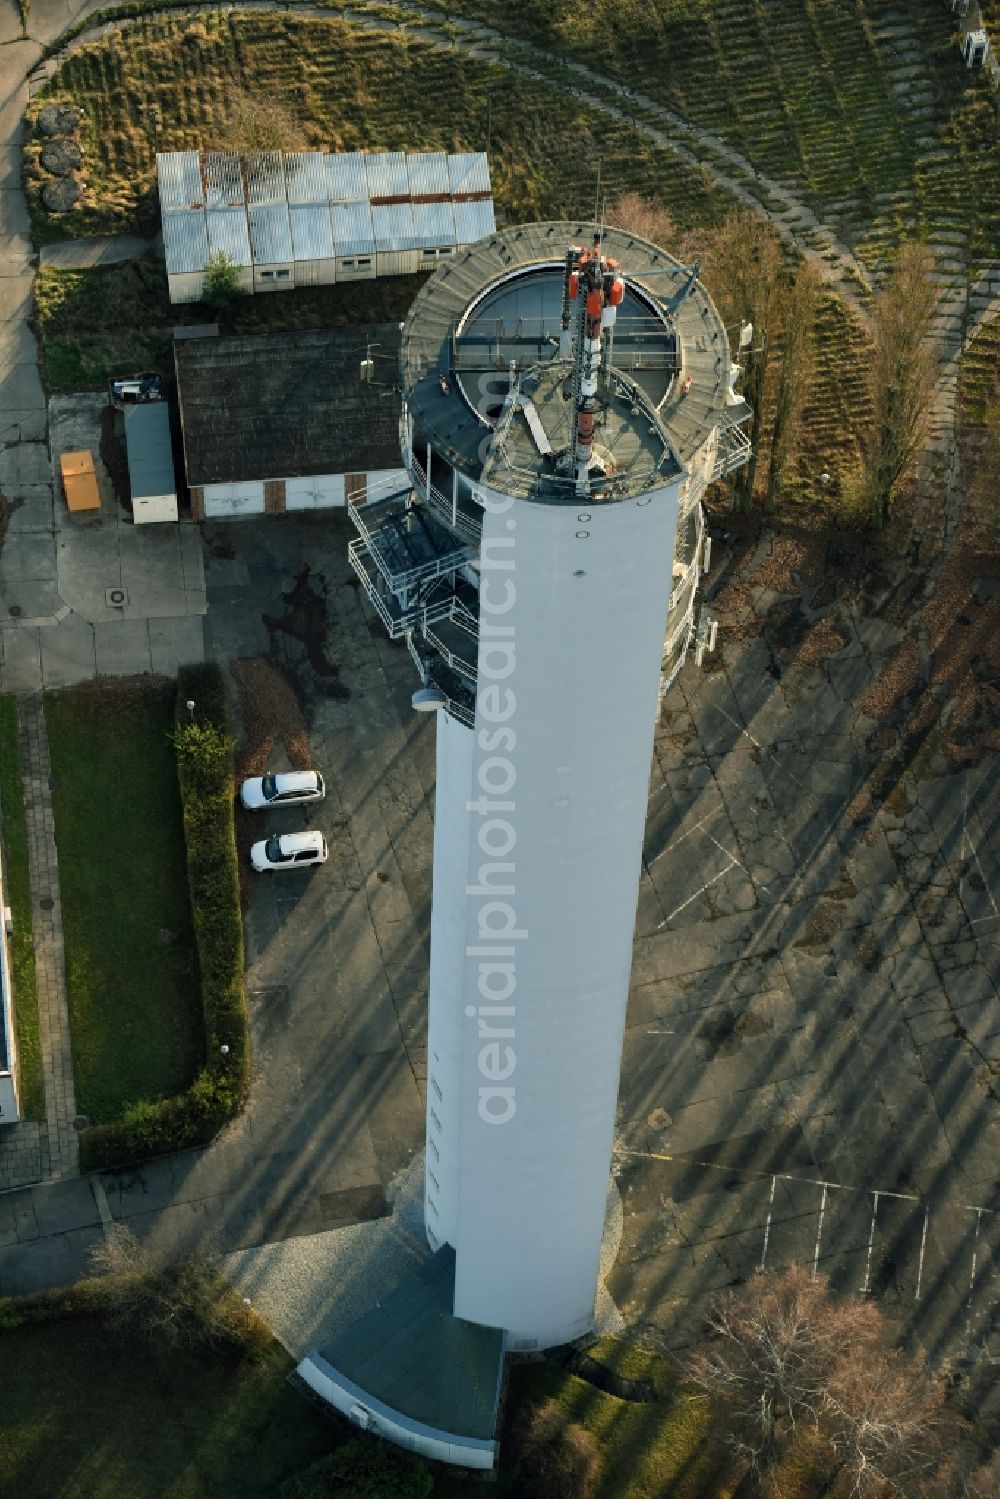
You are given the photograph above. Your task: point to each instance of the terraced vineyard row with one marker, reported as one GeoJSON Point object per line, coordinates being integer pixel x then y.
{"type": "Point", "coordinates": [866, 109]}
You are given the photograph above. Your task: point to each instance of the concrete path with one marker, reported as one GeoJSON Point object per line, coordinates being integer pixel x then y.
{"type": "Point", "coordinates": [83, 254]}
{"type": "Point", "coordinates": [46, 918]}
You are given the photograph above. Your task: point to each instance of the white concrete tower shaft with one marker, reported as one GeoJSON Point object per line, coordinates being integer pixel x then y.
{"type": "Point", "coordinates": [567, 409]}
{"type": "Point", "coordinates": [556, 775]}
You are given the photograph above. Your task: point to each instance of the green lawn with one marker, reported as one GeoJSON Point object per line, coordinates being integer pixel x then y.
{"type": "Point", "coordinates": [18, 893]}
{"type": "Point", "coordinates": [131, 972]}
{"type": "Point", "coordinates": [90, 1415]}
{"type": "Point", "coordinates": [87, 1415]}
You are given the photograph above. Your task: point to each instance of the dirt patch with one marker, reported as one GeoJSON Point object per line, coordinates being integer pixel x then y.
{"type": "Point", "coordinates": [825, 921]}
{"type": "Point", "coordinates": [725, 1033]}
{"type": "Point", "coordinates": [785, 630]}
{"type": "Point", "coordinates": [825, 639]}
{"type": "Point", "coordinates": [271, 712]}
{"type": "Point", "coordinates": [112, 697]}
{"type": "Point", "coordinates": [306, 622]}
{"type": "Point", "coordinates": [868, 952]}
{"type": "Point", "coordinates": [793, 560]}
{"type": "Point", "coordinates": [7, 508]}
{"type": "Point", "coordinates": [898, 679]}
{"type": "Point", "coordinates": [733, 607]}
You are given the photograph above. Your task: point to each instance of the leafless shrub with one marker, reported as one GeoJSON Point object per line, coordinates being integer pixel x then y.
{"type": "Point", "coordinates": [645, 217]}
{"type": "Point", "coordinates": [172, 1302]}
{"type": "Point", "coordinates": [556, 1459]}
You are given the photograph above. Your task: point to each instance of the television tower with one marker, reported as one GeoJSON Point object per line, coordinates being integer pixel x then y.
{"type": "Point", "coordinates": [568, 395]}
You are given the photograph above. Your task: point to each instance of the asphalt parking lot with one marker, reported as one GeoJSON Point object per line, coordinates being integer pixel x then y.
{"type": "Point", "coordinates": [813, 1042]}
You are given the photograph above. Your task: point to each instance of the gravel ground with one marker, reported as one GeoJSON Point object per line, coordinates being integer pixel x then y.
{"type": "Point", "coordinates": [310, 1289]}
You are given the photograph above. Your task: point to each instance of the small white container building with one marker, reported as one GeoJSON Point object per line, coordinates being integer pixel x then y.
{"type": "Point", "coordinates": [310, 218]}
{"type": "Point", "coordinates": [150, 462]}
{"type": "Point", "coordinates": [975, 48]}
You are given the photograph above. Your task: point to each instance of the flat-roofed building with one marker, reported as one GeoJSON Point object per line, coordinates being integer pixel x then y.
{"type": "Point", "coordinates": [303, 420]}
{"type": "Point", "coordinates": [310, 218]}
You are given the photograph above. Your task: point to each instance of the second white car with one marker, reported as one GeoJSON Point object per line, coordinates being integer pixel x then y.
{"type": "Point", "coordinates": [289, 851]}
{"type": "Point", "coordinates": [284, 790]}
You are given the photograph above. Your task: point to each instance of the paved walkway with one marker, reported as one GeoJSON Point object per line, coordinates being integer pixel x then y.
{"type": "Point", "coordinates": [46, 917]}
{"type": "Point", "coordinates": [83, 254]}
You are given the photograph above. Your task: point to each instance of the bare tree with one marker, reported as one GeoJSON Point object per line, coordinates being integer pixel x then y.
{"type": "Point", "coordinates": [792, 1362]}
{"type": "Point", "coordinates": [772, 1351]}
{"type": "Point", "coordinates": [556, 1458]}
{"type": "Point", "coordinates": [742, 270]}
{"type": "Point", "coordinates": [881, 1416]}
{"type": "Point", "coordinates": [902, 376]}
{"type": "Point", "coordinates": [798, 313]}
{"type": "Point", "coordinates": [645, 217]}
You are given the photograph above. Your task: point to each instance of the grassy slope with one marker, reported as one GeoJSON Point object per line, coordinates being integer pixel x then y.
{"type": "Point", "coordinates": [979, 390]}
{"type": "Point", "coordinates": [803, 88]}
{"type": "Point", "coordinates": [90, 1416]}
{"type": "Point", "coordinates": [96, 323]}
{"type": "Point", "coordinates": [133, 995]}
{"type": "Point", "coordinates": [196, 1426]}
{"type": "Point", "coordinates": [112, 317]}
{"type": "Point", "coordinates": [18, 893]}
{"type": "Point", "coordinates": [329, 84]}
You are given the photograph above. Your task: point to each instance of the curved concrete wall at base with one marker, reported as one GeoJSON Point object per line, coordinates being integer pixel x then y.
{"type": "Point", "coordinates": [573, 607]}
{"type": "Point", "coordinates": [445, 1020]}
{"type": "Point", "coordinates": [429, 1441]}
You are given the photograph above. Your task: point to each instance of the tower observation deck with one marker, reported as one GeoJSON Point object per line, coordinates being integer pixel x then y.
{"type": "Point", "coordinates": [567, 396]}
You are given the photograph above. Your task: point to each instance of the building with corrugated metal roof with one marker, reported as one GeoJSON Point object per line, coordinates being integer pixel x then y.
{"type": "Point", "coordinates": [311, 218]}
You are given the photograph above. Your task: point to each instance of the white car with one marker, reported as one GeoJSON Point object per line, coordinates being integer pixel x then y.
{"type": "Point", "coordinates": [289, 851]}
{"type": "Point", "coordinates": [283, 790]}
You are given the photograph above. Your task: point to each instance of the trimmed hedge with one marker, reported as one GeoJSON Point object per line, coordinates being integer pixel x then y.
{"type": "Point", "coordinates": [365, 1468]}
{"type": "Point", "coordinates": [18, 896]}
{"type": "Point", "coordinates": [206, 774]}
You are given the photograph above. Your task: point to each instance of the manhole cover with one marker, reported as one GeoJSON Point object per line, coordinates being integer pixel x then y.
{"type": "Point", "coordinates": [659, 1119]}
{"type": "Point", "coordinates": [116, 598]}
{"type": "Point", "coordinates": [15, 610]}
{"type": "Point", "coordinates": [46, 903]}
{"type": "Point", "coordinates": [80, 1123]}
